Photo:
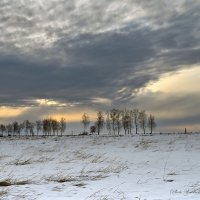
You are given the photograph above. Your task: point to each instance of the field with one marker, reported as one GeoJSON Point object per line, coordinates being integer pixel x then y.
{"type": "Point", "coordinates": [158, 167]}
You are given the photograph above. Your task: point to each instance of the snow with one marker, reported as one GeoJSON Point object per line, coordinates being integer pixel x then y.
{"type": "Point", "coordinates": [158, 167]}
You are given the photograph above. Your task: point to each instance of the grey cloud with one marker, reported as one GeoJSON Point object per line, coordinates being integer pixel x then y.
{"type": "Point", "coordinates": [33, 24]}
{"type": "Point", "coordinates": [74, 52]}
{"type": "Point", "coordinates": [95, 69]}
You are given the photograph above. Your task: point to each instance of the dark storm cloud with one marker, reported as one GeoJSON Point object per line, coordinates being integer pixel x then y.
{"type": "Point", "coordinates": [73, 52]}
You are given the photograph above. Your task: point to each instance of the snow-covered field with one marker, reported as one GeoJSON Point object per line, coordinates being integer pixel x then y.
{"type": "Point", "coordinates": [159, 167]}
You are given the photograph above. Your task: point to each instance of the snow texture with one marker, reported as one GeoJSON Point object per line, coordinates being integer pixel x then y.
{"type": "Point", "coordinates": [158, 167]}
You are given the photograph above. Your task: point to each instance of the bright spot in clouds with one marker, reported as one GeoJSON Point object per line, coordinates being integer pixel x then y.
{"type": "Point", "coordinates": [49, 102]}
{"type": "Point", "coordinates": [183, 81]}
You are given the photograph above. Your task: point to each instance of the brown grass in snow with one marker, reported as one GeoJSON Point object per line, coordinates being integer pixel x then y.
{"type": "Point", "coordinates": [9, 182]}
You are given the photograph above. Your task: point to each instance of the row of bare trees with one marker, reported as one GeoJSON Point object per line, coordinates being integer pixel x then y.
{"type": "Point", "coordinates": [45, 127]}
{"type": "Point", "coordinates": [131, 121]}
{"type": "Point", "coordinates": [114, 120]}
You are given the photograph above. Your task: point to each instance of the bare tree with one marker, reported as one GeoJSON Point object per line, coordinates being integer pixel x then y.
{"type": "Point", "coordinates": [151, 123]}
{"type": "Point", "coordinates": [38, 126]}
{"type": "Point", "coordinates": [85, 121]}
{"type": "Point", "coordinates": [62, 126]}
{"type": "Point", "coordinates": [143, 120]}
{"type": "Point", "coordinates": [2, 129]}
{"type": "Point", "coordinates": [108, 122]}
{"type": "Point", "coordinates": [118, 121]}
{"type": "Point", "coordinates": [45, 125]}
{"type": "Point", "coordinates": [115, 119]}
{"type": "Point", "coordinates": [55, 126]}
{"type": "Point", "coordinates": [126, 121]}
{"type": "Point", "coordinates": [29, 127]}
{"type": "Point", "coordinates": [130, 119]}
{"type": "Point", "coordinates": [9, 128]}
{"type": "Point", "coordinates": [21, 127]}
{"type": "Point", "coordinates": [135, 114]}
{"type": "Point", "coordinates": [100, 121]}
{"type": "Point", "coordinates": [15, 128]}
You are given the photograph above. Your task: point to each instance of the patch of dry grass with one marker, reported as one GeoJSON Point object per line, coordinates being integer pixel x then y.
{"type": "Point", "coordinates": [97, 159]}
{"type": "Point", "coordinates": [43, 159]}
{"type": "Point", "coordinates": [104, 170]}
{"type": "Point", "coordinates": [107, 194]}
{"type": "Point", "coordinates": [81, 184]}
{"type": "Point", "coordinates": [23, 162]}
{"type": "Point", "coordinates": [3, 193]}
{"type": "Point", "coordinates": [82, 155]}
{"type": "Point", "coordinates": [144, 144]}
{"type": "Point", "coordinates": [172, 173]}
{"type": "Point", "coordinates": [47, 150]}
{"type": "Point", "coordinates": [9, 182]}
{"type": "Point", "coordinates": [62, 178]}
{"type": "Point", "coordinates": [112, 169]}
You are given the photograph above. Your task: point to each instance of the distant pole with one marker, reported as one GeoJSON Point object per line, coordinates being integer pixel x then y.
{"type": "Point", "coordinates": [185, 130]}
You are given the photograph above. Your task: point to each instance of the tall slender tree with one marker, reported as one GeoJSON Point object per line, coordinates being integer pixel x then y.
{"type": "Point", "coordinates": [9, 129]}
{"type": "Point", "coordinates": [143, 120]}
{"type": "Point", "coordinates": [108, 122]}
{"type": "Point", "coordinates": [114, 119]}
{"type": "Point", "coordinates": [20, 129]}
{"type": "Point", "coordinates": [27, 126]}
{"type": "Point", "coordinates": [38, 126]}
{"type": "Point", "coordinates": [151, 123]}
{"type": "Point", "coordinates": [2, 129]}
{"type": "Point", "coordinates": [100, 121]}
{"type": "Point", "coordinates": [55, 126]}
{"type": "Point", "coordinates": [15, 128]}
{"type": "Point", "coordinates": [63, 126]}
{"type": "Point", "coordinates": [135, 114]}
{"type": "Point", "coordinates": [125, 121]}
{"type": "Point", "coordinates": [85, 121]}
{"type": "Point", "coordinates": [45, 127]}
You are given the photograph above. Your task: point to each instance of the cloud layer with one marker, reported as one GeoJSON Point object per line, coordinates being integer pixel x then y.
{"type": "Point", "coordinates": [80, 52]}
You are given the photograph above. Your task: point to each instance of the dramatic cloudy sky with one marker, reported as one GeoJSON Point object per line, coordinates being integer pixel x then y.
{"type": "Point", "coordinates": [66, 57]}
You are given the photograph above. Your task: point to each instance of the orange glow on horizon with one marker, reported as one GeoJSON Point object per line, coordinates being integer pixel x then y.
{"type": "Point", "coordinates": [6, 112]}
{"type": "Point", "coordinates": [72, 117]}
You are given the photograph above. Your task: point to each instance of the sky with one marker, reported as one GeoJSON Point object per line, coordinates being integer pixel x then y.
{"type": "Point", "coordinates": [64, 58]}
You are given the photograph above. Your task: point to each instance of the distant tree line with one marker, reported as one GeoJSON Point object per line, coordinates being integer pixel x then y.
{"type": "Point", "coordinates": [115, 120]}
{"type": "Point", "coordinates": [45, 127]}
